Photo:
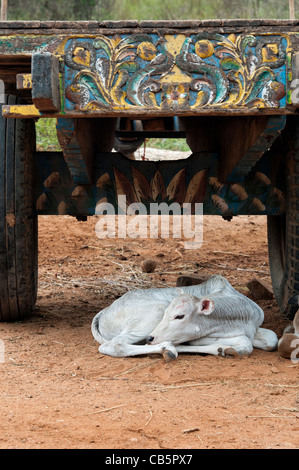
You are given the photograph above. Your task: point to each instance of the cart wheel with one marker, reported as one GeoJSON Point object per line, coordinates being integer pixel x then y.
{"type": "Point", "coordinates": [18, 222]}
{"type": "Point", "coordinates": [283, 230]}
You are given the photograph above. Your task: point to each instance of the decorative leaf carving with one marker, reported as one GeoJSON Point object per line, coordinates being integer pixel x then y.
{"type": "Point", "coordinates": [198, 71]}
{"type": "Point", "coordinates": [176, 189]}
{"type": "Point", "coordinates": [197, 188]}
{"type": "Point", "coordinates": [158, 186]}
{"type": "Point", "coordinates": [124, 187]}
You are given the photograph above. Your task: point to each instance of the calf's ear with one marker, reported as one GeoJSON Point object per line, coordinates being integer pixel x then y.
{"type": "Point", "coordinates": [205, 306]}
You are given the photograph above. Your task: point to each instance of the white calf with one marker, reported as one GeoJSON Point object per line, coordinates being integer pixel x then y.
{"type": "Point", "coordinates": [210, 318]}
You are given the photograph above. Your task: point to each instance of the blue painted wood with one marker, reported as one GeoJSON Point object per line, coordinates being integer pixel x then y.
{"type": "Point", "coordinates": [171, 72]}
{"type": "Point", "coordinates": [73, 154]}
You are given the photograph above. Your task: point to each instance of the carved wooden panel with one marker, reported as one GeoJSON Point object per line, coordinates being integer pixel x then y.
{"type": "Point", "coordinates": [175, 73]}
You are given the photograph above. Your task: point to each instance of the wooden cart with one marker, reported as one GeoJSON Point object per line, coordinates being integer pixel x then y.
{"type": "Point", "coordinates": [231, 88]}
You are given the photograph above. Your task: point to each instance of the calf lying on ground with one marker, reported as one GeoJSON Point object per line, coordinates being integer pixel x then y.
{"type": "Point", "coordinates": [210, 318]}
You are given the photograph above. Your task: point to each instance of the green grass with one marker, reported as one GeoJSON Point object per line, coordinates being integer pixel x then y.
{"type": "Point", "coordinates": [168, 144]}
{"type": "Point", "coordinates": [46, 139]}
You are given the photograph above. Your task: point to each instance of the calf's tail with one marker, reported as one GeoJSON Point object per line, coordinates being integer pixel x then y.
{"type": "Point", "coordinates": [95, 329]}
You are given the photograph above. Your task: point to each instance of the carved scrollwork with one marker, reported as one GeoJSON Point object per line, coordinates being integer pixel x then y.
{"type": "Point", "coordinates": [175, 72]}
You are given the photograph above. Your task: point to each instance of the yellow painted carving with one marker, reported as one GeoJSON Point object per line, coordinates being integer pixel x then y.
{"type": "Point", "coordinates": [25, 110]}
{"type": "Point", "coordinates": [200, 100]}
{"type": "Point", "coordinates": [176, 76]}
{"type": "Point", "coordinates": [243, 72]}
{"type": "Point", "coordinates": [146, 51]}
{"type": "Point", "coordinates": [81, 56]}
{"type": "Point", "coordinates": [232, 38]}
{"type": "Point", "coordinates": [270, 53]}
{"type": "Point", "coordinates": [204, 48]}
{"type": "Point", "coordinates": [27, 80]}
{"type": "Point", "coordinates": [174, 45]}
{"type": "Point", "coordinates": [119, 98]}
{"type": "Point", "coordinates": [176, 95]}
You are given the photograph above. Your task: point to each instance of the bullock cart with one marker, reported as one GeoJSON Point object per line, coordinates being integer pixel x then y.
{"type": "Point", "coordinates": [230, 88]}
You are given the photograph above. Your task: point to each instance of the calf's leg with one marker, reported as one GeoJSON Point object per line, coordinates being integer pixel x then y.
{"type": "Point", "coordinates": [120, 347]}
{"type": "Point", "coordinates": [265, 339]}
{"type": "Point", "coordinates": [221, 347]}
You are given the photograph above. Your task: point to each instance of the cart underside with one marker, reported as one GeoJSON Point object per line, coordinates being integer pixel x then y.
{"type": "Point", "coordinates": [228, 87]}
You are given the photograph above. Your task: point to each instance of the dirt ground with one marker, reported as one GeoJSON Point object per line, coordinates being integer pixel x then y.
{"type": "Point", "coordinates": [57, 391]}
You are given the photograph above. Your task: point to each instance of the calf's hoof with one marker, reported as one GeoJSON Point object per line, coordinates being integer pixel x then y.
{"type": "Point", "coordinates": [231, 352]}
{"type": "Point", "coordinates": [227, 352]}
{"type": "Point", "coordinates": [168, 351]}
{"type": "Point", "coordinates": [169, 356]}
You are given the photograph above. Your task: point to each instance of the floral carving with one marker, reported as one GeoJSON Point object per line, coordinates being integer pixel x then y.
{"type": "Point", "coordinates": [175, 72]}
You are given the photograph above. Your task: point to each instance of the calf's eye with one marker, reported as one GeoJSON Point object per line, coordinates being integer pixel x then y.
{"type": "Point", "coordinates": [179, 317]}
